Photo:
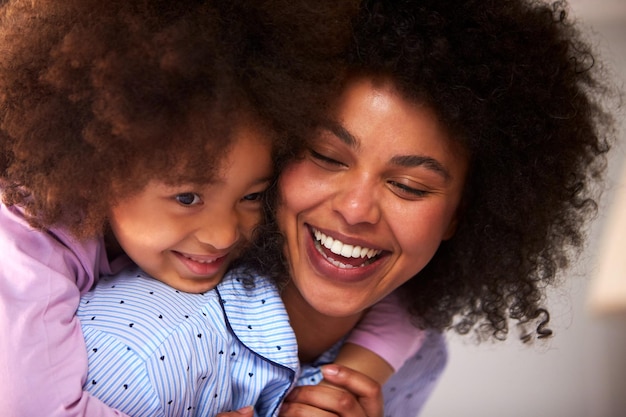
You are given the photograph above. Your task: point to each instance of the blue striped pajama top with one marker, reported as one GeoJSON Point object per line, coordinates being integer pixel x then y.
{"type": "Point", "coordinates": [154, 351]}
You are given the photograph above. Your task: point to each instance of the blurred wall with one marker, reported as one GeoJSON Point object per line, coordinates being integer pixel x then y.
{"type": "Point", "coordinates": [581, 370]}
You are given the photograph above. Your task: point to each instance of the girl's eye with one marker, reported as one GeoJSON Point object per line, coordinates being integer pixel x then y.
{"type": "Point", "coordinates": [188, 199]}
{"type": "Point", "coordinates": [406, 192]}
{"type": "Point", "coordinates": [324, 160]}
{"type": "Point", "coordinates": [253, 196]}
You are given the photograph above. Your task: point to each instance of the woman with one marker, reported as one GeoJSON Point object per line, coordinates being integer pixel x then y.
{"type": "Point", "coordinates": [461, 159]}
{"type": "Point", "coordinates": [354, 190]}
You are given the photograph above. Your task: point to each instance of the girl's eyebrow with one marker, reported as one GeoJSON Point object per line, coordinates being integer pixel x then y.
{"type": "Point", "coordinates": [407, 161]}
{"type": "Point", "coordinates": [263, 180]}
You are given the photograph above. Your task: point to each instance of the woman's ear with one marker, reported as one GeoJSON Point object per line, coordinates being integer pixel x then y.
{"type": "Point", "coordinates": [456, 218]}
{"type": "Point", "coordinates": [454, 222]}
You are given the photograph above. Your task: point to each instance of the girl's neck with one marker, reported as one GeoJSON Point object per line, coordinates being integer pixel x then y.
{"type": "Point", "coordinates": [113, 248]}
{"type": "Point", "coordinates": [315, 332]}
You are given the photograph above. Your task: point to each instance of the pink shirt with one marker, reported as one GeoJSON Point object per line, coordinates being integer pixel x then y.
{"type": "Point", "coordinates": [387, 330]}
{"type": "Point", "coordinates": [43, 359]}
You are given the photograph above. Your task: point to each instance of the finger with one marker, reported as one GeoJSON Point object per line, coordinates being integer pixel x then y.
{"type": "Point", "coordinates": [367, 391]}
{"type": "Point", "coordinates": [353, 381]}
{"type": "Point", "coordinates": [242, 412]}
{"type": "Point", "coordinates": [295, 409]}
{"type": "Point", "coordinates": [335, 401]}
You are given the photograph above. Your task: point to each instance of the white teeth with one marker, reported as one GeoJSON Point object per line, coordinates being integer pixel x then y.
{"type": "Point", "coordinates": [339, 264]}
{"type": "Point", "coordinates": [347, 251]}
{"type": "Point", "coordinates": [200, 261]}
{"type": "Point", "coordinates": [336, 248]}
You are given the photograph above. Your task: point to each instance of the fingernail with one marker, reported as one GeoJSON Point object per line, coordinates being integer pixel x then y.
{"type": "Point", "coordinates": [330, 370]}
{"type": "Point", "coordinates": [245, 410]}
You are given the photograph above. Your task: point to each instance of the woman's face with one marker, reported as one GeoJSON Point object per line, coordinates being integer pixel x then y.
{"type": "Point", "coordinates": [371, 201]}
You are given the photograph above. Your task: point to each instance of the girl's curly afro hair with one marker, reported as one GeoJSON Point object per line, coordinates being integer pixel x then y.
{"type": "Point", "coordinates": [98, 97]}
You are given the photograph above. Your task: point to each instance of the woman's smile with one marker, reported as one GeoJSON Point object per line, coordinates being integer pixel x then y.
{"type": "Point", "coordinates": [360, 254]}
{"type": "Point", "coordinates": [335, 259]}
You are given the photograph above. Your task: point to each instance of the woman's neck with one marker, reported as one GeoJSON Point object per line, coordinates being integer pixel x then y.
{"type": "Point", "coordinates": [315, 332]}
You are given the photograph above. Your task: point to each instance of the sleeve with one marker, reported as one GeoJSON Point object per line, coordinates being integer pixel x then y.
{"type": "Point", "coordinates": [44, 360]}
{"type": "Point", "coordinates": [387, 331]}
{"type": "Point", "coordinates": [409, 388]}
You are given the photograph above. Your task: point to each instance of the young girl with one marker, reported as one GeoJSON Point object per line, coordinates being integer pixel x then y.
{"type": "Point", "coordinates": [122, 126]}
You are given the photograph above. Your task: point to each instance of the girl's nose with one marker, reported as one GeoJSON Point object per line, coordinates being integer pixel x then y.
{"type": "Point", "coordinates": [219, 231]}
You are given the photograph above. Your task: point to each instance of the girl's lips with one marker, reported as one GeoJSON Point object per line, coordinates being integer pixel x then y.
{"type": "Point", "coordinates": [203, 266]}
{"type": "Point", "coordinates": [335, 259]}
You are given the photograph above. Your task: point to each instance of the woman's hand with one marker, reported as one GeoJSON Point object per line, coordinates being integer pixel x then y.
{"type": "Point", "coordinates": [345, 393]}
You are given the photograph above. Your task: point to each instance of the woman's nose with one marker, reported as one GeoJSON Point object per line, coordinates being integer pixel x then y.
{"type": "Point", "coordinates": [357, 202]}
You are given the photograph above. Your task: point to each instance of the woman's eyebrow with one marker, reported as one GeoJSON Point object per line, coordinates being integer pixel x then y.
{"type": "Point", "coordinates": [410, 161]}
{"type": "Point", "coordinates": [342, 133]}
{"type": "Point", "coordinates": [407, 161]}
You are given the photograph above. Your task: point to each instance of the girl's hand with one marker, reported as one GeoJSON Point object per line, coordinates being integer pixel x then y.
{"type": "Point", "coordinates": [346, 393]}
{"type": "Point", "coordinates": [242, 412]}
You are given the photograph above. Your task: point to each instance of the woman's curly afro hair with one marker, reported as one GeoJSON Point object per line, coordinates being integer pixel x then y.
{"type": "Point", "coordinates": [516, 84]}
{"type": "Point", "coordinates": [98, 97]}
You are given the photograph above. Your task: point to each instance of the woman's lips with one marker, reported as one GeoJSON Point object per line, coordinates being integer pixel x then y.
{"type": "Point", "coordinates": [333, 258]}
{"type": "Point", "coordinates": [344, 250]}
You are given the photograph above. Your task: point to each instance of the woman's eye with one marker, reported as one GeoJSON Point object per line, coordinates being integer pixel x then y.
{"type": "Point", "coordinates": [188, 199]}
{"type": "Point", "coordinates": [325, 160]}
{"type": "Point", "coordinates": [407, 192]}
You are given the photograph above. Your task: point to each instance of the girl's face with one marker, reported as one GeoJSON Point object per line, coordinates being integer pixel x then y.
{"type": "Point", "coordinates": [187, 235]}
{"type": "Point", "coordinates": [369, 204]}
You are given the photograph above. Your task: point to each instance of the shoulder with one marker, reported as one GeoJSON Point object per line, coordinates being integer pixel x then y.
{"type": "Point", "coordinates": [249, 289]}
{"type": "Point", "coordinates": [144, 312]}
{"type": "Point", "coordinates": [408, 389]}
{"type": "Point", "coordinates": [27, 251]}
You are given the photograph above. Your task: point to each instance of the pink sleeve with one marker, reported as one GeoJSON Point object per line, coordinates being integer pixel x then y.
{"type": "Point", "coordinates": [387, 331]}
{"type": "Point", "coordinates": [43, 360]}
